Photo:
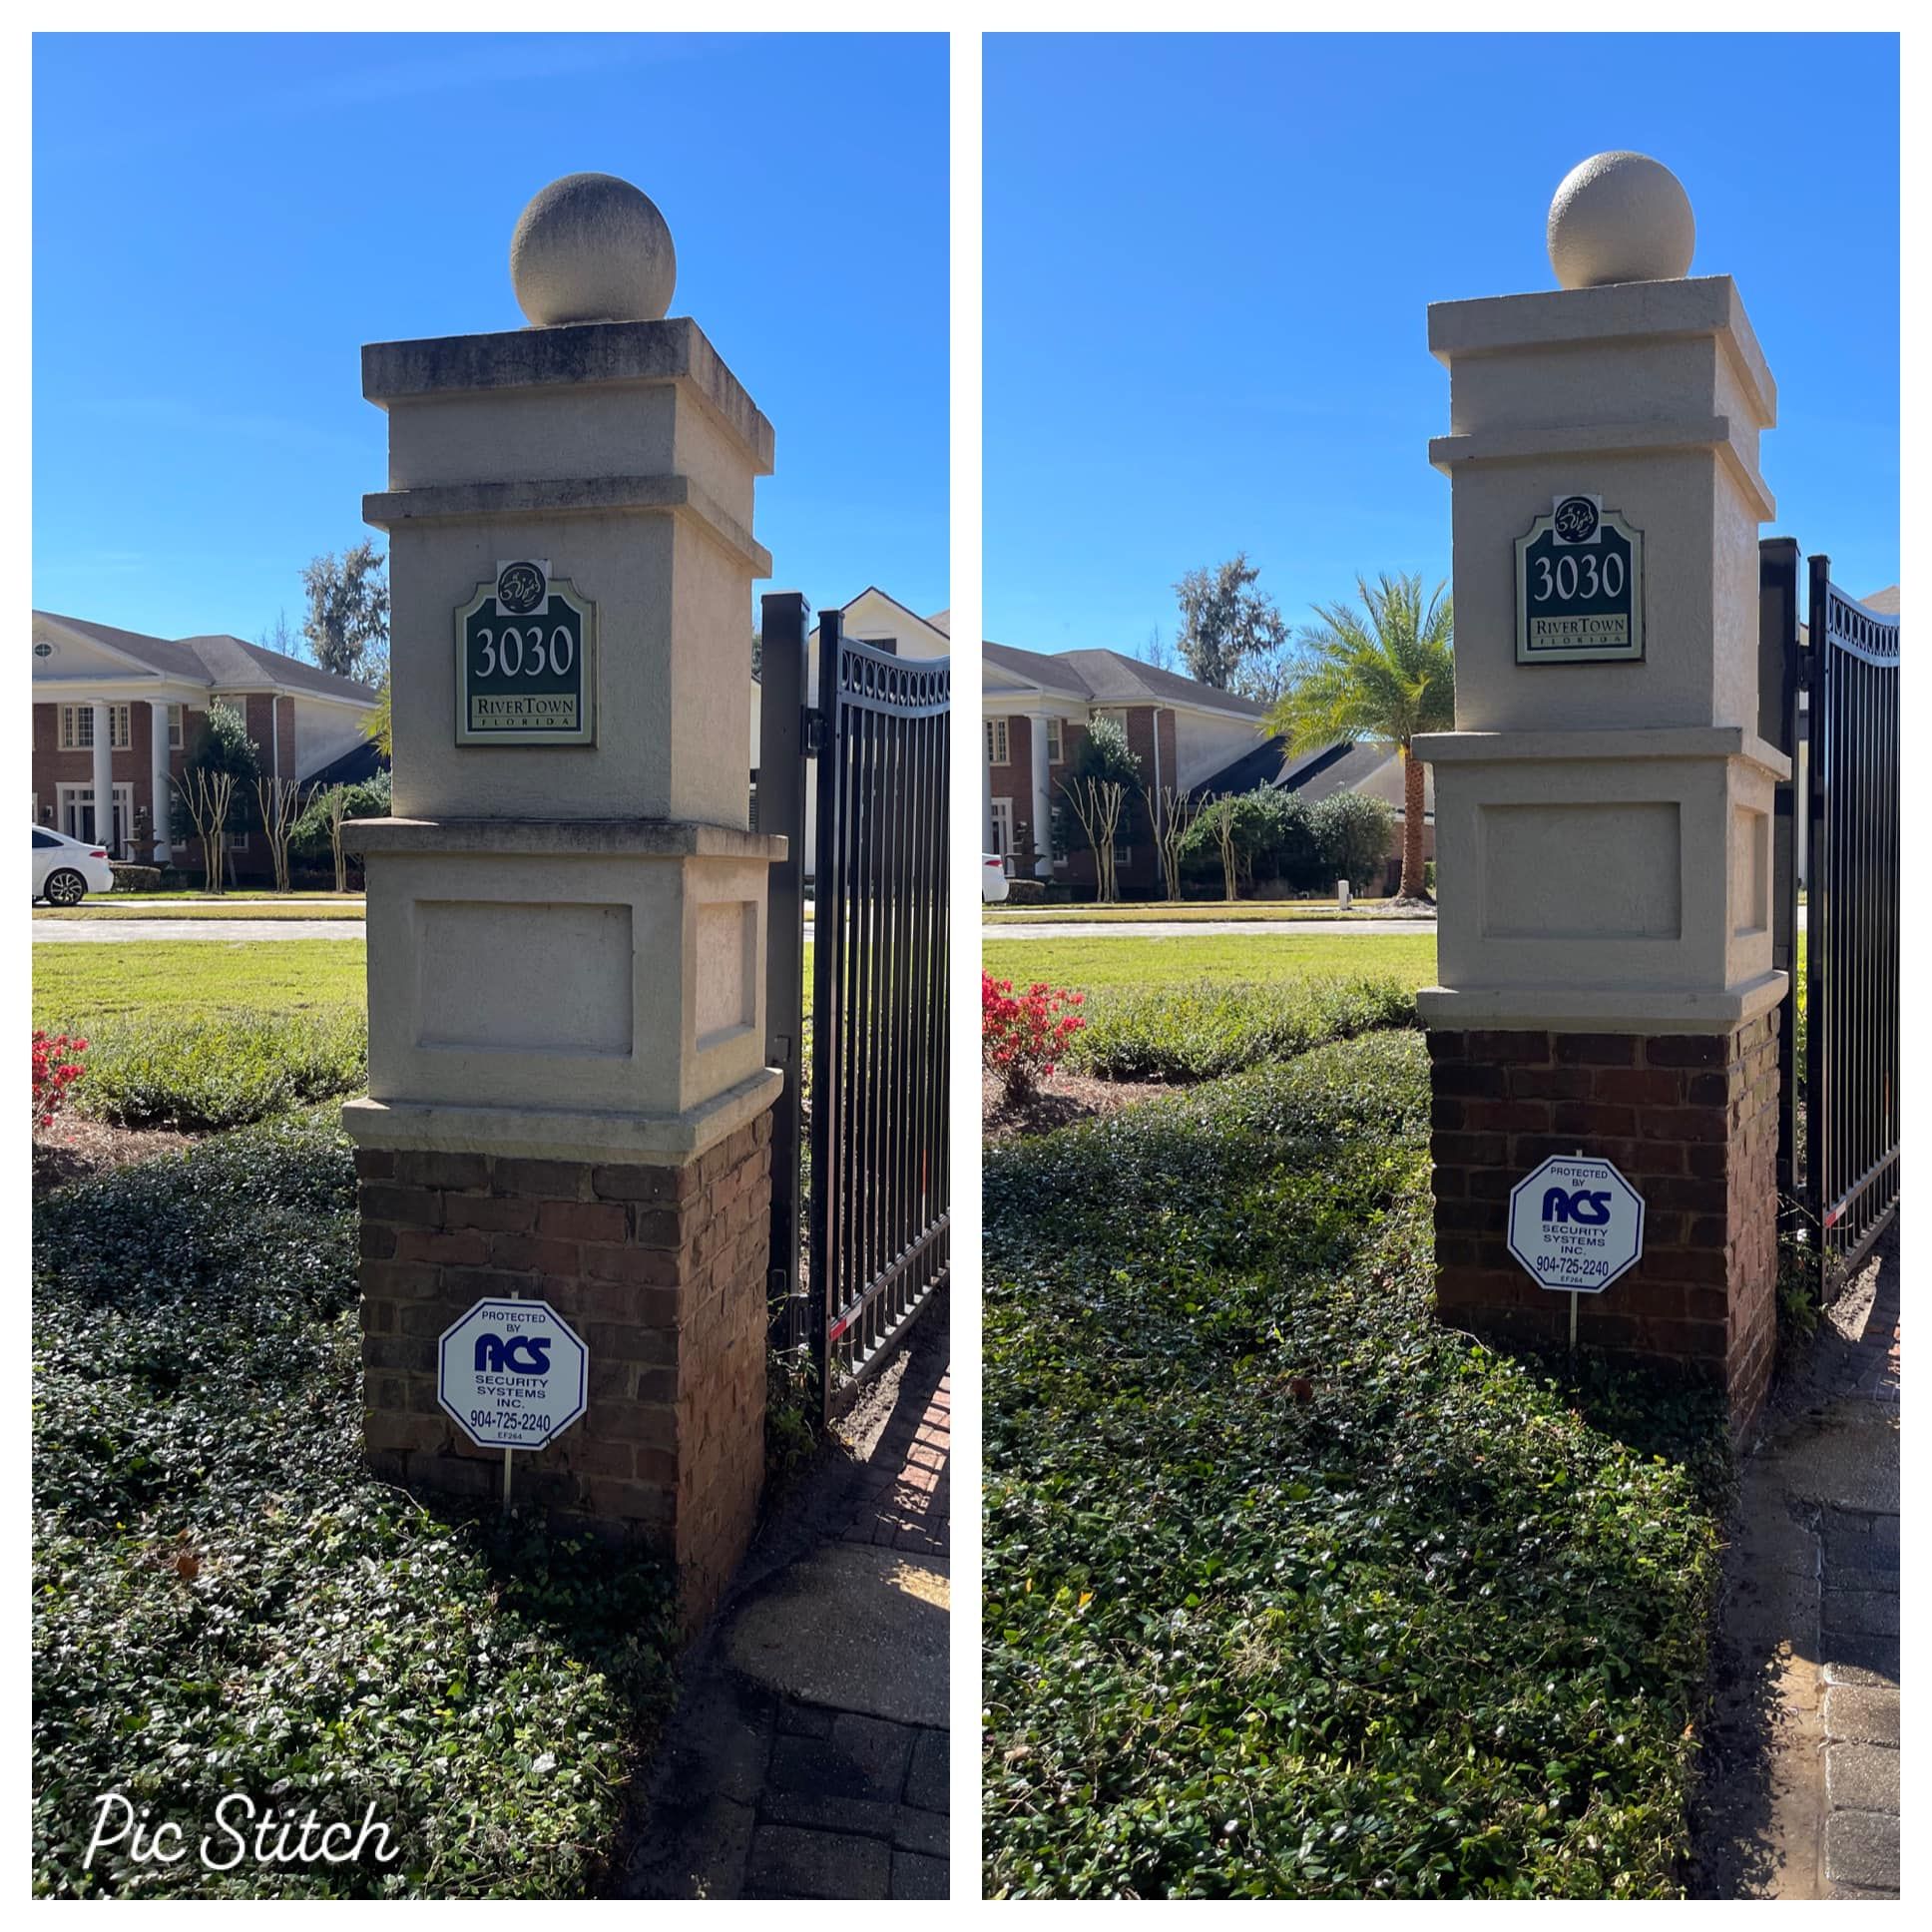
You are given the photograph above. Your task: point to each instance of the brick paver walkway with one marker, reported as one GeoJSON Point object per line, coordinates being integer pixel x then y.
{"type": "Point", "coordinates": [1858, 1656]}
{"type": "Point", "coordinates": [829, 1781]}
{"type": "Point", "coordinates": [906, 1491]}
{"type": "Point", "coordinates": [856, 1806]}
{"type": "Point", "coordinates": [1803, 1759]}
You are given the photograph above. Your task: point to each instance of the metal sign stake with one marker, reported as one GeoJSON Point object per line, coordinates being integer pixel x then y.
{"type": "Point", "coordinates": [508, 1452]}
{"type": "Point", "coordinates": [1573, 1350]}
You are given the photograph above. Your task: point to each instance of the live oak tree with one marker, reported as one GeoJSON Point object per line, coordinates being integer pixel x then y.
{"type": "Point", "coordinates": [1385, 673]}
{"type": "Point", "coordinates": [347, 625]}
{"type": "Point", "coordinates": [1232, 635]}
{"type": "Point", "coordinates": [1098, 788]}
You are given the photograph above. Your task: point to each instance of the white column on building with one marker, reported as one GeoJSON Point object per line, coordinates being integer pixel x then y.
{"type": "Point", "coordinates": [104, 776]}
{"type": "Point", "coordinates": [158, 777]}
{"type": "Point", "coordinates": [1042, 798]}
{"type": "Point", "coordinates": [985, 792]}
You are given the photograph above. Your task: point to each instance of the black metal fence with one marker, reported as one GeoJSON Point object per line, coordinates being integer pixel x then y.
{"type": "Point", "coordinates": [1851, 1060]}
{"type": "Point", "coordinates": [875, 1203]}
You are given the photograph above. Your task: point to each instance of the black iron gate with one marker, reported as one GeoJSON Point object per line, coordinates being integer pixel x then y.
{"type": "Point", "coordinates": [1839, 1136]}
{"type": "Point", "coordinates": [874, 1202]}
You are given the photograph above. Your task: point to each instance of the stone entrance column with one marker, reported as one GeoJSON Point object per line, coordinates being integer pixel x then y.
{"type": "Point", "coordinates": [568, 1096]}
{"type": "Point", "coordinates": [1603, 817]}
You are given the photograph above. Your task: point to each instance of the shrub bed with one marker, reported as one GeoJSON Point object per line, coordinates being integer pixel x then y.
{"type": "Point", "coordinates": [135, 878]}
{"type": "Point", "coordinates": [220, 1071]}
{"type": "Point", "coordinates": [225, 1602]}
{"type": "Point", "coordinates": [1207, 1030]}
{"type": "Point", "coordinates": [1288, 1591]}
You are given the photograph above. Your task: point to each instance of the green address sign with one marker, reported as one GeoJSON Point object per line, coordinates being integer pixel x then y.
{"type": "Point", "coordinates": [525, 647]}
{"type": "Point", "coordinates": [1579, 586]}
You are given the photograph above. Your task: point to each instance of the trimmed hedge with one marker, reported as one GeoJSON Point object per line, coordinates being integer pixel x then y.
{"type": "Point", "coordinates": [1290, 1592]}
{"type": "Point", "coordinates": [199, 1074]}
{"type": "Point", "coordinates": [135, 878]}
{"type": "Point", "coordinates": [1214, 1027]}
{"type": "Point", "coordinates": [226, 1602]}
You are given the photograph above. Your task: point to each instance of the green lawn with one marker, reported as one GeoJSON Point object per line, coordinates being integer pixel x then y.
{"type": "Point", "coordinates": [1185, 911]}
{"type": "Point", "coordinates": [1096, 964]}
{"type": "Point", "coordinates": [77, 984]}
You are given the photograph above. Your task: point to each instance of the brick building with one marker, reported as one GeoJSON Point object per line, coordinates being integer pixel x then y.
{"type": "Point", "coordinates": [1207, 743]}
{"type": "Point", "coordinates": [1038, 707]}
{"type": "Point", "coordinates": [117, 709]}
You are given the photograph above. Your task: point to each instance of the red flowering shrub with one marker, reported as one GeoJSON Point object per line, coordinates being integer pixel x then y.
{"type": "Point", "coordinates": [57, 1066]}
{"type": "Point", "coordinates": [1021, 1034]}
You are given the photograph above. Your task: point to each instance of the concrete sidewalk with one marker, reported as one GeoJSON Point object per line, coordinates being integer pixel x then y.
{"type": "Point", "coordinates": [808, 1755]}
{"type": "Point", "coordinates": [1802, 1748]}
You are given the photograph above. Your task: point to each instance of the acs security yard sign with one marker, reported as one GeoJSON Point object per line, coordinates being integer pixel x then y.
{"type": "Point", "coordinates": [512, 1374]}
{"type": "Point", "coordinates": [1576, 1224]}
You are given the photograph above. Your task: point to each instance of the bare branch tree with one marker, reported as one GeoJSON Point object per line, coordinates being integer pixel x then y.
{"type": "Point", "coordinates": [336, 803]}
{"type": "Point", "coordinates": [1172, 814]}
{"type": "Point", "coordinates": [1099, 804]}
{"type": "Point", "coordinates": [207, 793]}
{"type": "Point", "coordinates": [281, 803]}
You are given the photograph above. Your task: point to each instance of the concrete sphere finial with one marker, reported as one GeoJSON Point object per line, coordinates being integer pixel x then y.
{"type": "Point", "coordinates": [1621, 218]}
{"type": "Point", "coordinates": [592, 249]}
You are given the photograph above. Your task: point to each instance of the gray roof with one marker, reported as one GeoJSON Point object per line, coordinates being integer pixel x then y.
{"type": "Point", "coordinates": [1884, 602]}
{"type": "Point", "coordinates": [1111, 678]}
{"type": "Point", "coordinates": [219, 662]}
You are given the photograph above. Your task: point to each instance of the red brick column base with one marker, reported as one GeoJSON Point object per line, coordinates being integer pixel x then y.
{"type": "Point", "coordinates": [661, 1269]}
{"type": "Point", "coordinates": [1690, 1121]}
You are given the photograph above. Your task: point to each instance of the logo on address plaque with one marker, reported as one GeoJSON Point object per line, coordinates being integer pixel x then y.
{"type": "Point", "coordinates": [1579, 586]}
{"type": "Point", "coordinates": [526, 660]}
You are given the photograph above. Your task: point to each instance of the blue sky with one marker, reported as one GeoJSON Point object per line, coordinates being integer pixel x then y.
{"type": "Point", "coordinates": [1208, 262]}
{"type": "Point", "coordinates": [220, 221]}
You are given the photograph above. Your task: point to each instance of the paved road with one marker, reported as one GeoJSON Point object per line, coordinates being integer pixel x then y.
{"type": "Point", "coordinates": [1216, 928]}
{"type": "Point", "coordinates": [70, 931]}
{"type": "Point", "coordinates": [95, 931]}
{"type": "Point", "coordinates": [1205, 928]}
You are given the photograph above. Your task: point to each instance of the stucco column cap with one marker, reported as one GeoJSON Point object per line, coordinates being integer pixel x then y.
{"type": "Point", "coordinates": [560, 838]}
{"type": "Point", "coordinates": [1622, 311]}
{"type": "Point", "coordinates": [574, 353]}
{"type": "Point", "coordinates": [1619, 746]}
{"type": "Point", "coordinates": [561, 1133]}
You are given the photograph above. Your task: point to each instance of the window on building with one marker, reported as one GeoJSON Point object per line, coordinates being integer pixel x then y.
{"type": "Point", "coordinates": [996, 744]}
{"type": "Point", "coordinates": [1056, 748]}
{"type": "Point", "coordinates": [177, 726]}
{"type": "Point", "coordinates": [77, 727]}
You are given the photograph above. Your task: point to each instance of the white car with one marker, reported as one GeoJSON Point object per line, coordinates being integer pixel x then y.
{"type": "Point", "coordinates": [65, 870]}
{"type": "Point", "coordinates": [992, 878]}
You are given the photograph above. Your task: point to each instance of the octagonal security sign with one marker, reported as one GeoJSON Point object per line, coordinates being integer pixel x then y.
{"type": "Point", "coordinates": [1576, 1224]}
{"type": "Point", "coordinates": [512, 1374]}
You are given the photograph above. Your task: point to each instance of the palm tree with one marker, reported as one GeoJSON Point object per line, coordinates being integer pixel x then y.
{"type": "Point", "coordinates": [1386, 673]}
